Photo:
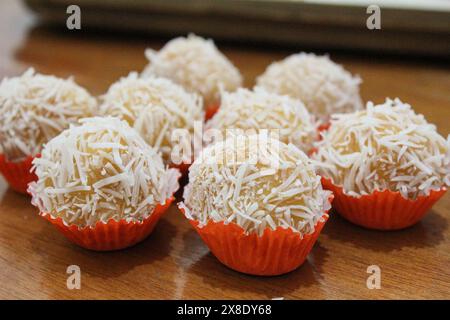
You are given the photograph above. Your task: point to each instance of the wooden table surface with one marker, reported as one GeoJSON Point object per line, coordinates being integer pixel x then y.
{"type": "Point", "coordinates": [173, 262]}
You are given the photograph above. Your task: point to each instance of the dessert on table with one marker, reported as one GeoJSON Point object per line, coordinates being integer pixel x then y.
{"type": "Point", "coordinates": [253, 110]}
{"type": "Point", "coordinates": [197, 65]}
{"type": "Point", "coordinates": [161, 111]}
{"type": "Point", "coordinates": [34, 108]}
{"type": "Point", "coordinates": [322, 85]}
{"type": "Point", "coordinates": [101, 185]}
{"type": "Point", "coordinates": [386, 165]}
{"type": "Point", "coordinates": [257, 203]}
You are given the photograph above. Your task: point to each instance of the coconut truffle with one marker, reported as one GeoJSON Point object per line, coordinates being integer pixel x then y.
{"type": "Point", "coordinates": [322, 85]}
{"type": "Point", "coordinates": [155, 107]}
{"type": "Point", "coordinates": [386, 147]}
{"type": "Point", "coordinates": [98, 171]}
{"type": "Point", "coordinates": [35, 108]}
{"type": "Point", "coordinates": [197, 65]}
{"type": "Point", "coordinates": [255, 182]}
{"type": "Point", "coordinates": [258, 109]}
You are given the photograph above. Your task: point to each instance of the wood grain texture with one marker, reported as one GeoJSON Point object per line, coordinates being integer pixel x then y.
{"type": "Point", "coordinates": [173, 262]}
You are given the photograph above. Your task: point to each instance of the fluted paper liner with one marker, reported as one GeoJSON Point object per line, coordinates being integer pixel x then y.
{"type": "Point", "coordinates": [276, 252]}
{"type": "Point", "coordinates": [182, 167]}
{"type": "Point", "coordinates": [382, 210]}
{"type": "Point", "coordinates": [113, 235]}
{"type": "Point", "coordinates": [211, 110]}
{"type": "Point", "coordinates": [323, 127]}
{"type": "Point", "coordinates": [18, 174]}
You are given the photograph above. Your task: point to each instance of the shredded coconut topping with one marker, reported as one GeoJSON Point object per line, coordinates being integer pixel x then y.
{"type": "Point", "coordinates": [256, 183]}
{"type": "Point", "coordinates": [35, 108]}
{"type": "Point", "coordinates": [98, 171]}
{"type": "Point", "coordinates": [197, 65]}
{"type": "Point", "coordinates": [322, 85]}
{"type": "Point", "coordinates": [387, 146]}
{"type": "Point", "coordinates": [259, 109]}
{"type": "Point", "coordinates": [155, 107]}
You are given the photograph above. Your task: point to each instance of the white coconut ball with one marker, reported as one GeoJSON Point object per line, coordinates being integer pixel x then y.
{"type": "Point", "coordinates": [385, 147]}
{"type": "Point", "coordinates": [100, 170]}
{"type": "Point", "coordinates": [196, 64]}
{"type": "Point", "coordinates": [34, 108]}
{"type": "Point", "coordinates": [161, 111]}
{"type": "Point", "coordinates": [258, 110]}
{"type": "Point", "coordinates": [322, 85]}
{"type": "Point", "coordinates": [256, 182]}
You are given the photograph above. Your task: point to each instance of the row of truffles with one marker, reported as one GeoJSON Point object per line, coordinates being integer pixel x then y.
{"type": "Point", "coordinates": [104, 169]}
{"type": "Point", "coordinates": [36, 108]}
{"type": "Point", "coordinates": [323, 86]}
{"type": "Point", "coordinates": [185, 77]}
{"type": "Point", "coordinates": [260, 204]}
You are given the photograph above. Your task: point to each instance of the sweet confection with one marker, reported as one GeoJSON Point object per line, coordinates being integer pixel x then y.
{"type": "Point", "coordinates": [258, 109]}
{"type": "Point", "coordinates": [322, 85]}
{"type": "Point", "coordinates": [101, 184]}
{"type": "Point", "coordinates": [161, 111]}
{"type": "Point", "coordinates": [386, 165]}
{"type": "Point", "coordinates": [33, 109]}
{"type": "Point", "coordinates": [197, 65]}
{"type": "Point", "coordinates": [257, 203]}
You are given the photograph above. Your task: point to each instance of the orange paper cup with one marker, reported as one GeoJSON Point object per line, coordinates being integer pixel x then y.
{"type": "Point", "coordinates": [182, 167]}
{"type": "Point", "coordinates": [276, 252]}
{"type": "Point", "coordinates": [321, 129]}
{"type": "Point", "coordinates": [382, 210]}
{"type": "Point", "coordinates": [113, 235]}
{"type": "Point", "coordinates": [312, 151]}
{"type": "Point", "coordinates": [210, 111]}
{"type": "Point", "coordinates": [17, 173]}
{"type": "Point", "coordinates": [324, 126]}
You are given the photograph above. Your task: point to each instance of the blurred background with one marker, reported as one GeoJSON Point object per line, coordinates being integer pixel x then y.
{"type": "Point", "coordinates": [407, 26]}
